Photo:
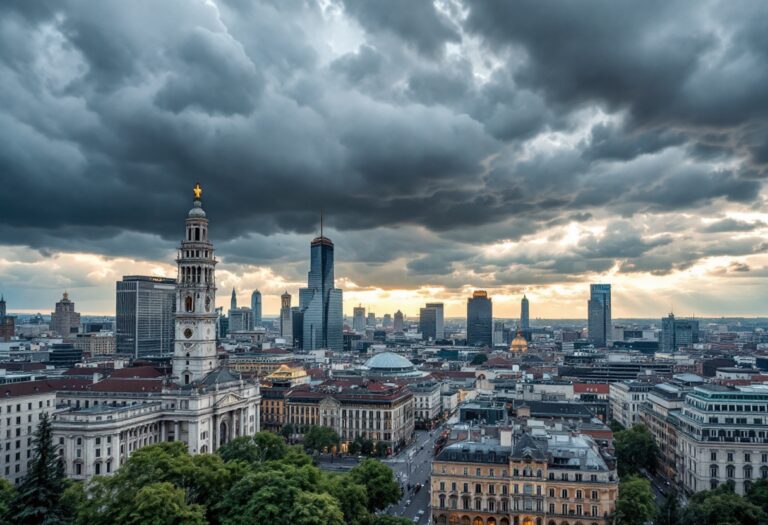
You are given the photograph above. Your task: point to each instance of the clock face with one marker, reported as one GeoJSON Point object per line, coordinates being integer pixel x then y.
{"type": "Point", "coordinates": [188, 333]}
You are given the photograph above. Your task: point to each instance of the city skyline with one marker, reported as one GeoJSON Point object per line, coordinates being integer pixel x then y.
{"type": "Point", "coordinates": [451, 151]}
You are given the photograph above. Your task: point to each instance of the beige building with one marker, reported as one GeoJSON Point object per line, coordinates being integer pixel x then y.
{"type": "Point", "coordinates": [96, 343]}
{"type": "Point", "coordinates": [64, 320]}
{"type": "Point", "coordinates": [523, 479]}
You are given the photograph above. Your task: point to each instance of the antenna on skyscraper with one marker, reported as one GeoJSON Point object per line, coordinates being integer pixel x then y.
{"type": "Point", "coordinates": [321, 222]}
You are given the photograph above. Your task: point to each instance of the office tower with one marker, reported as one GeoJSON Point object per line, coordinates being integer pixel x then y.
{"type": "Point", "coordinates": [233, 300]}
{"type": "Point", "coordinates": [7, 322]}
{"type": "Point", "coordinates": [194, 354]}
{"type": "Point", "coordinates": [256, 308]}
{"type": "Point", "coordinates": [320, 301]}
{"type": "Point", "coordinates": [386, 322]}
{"type": "Point", "coordinates": [398, 322]}
{"type": "Point", "coordinates": [480, 319]}
{"type": "Point", "coordinates": [297, 316]}
{"type": "Point", "coordinates": [286, 319]}
{"type": "Point", "coordinates": [222, 323]}
{"type": "Point", "coordinates": [240, 320]}
{"type": "Point", "coordinates": [525, 319]}
{"type": "Point", "coordinates": [65, 321]}
{"type": "Point", "coordinates": [431, 322]}
{"type": "Point", "coordinates": [358, 319]}
{"type": "Point", "coordinates": [371, 321]}
{"type": "Point", "coordinates": [145, 307]}
{"type": "Point", "coordinates": [599, 313]}
{"type": "Point", "coordinates": [677, 333]}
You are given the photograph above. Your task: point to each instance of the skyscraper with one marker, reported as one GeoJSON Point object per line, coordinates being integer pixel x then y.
{"type": "Point", "coordinates": [256, 308]}
{"type": "Point", "coordinates": [676, 333]}
{"type": "Point", "coordinates": [525, 320]}
{"type": "Point", "coordinates": [65, 320]}
{"type": "Point", "coordinates": [286, 320]}
{"type": "Point", "coordinates": [194, 353]}
{"type": "Point", "coordinates": [386, 321]}
{"type": "Point", "coordinates": [145, 307]}
{"type": "Point", "coordinates": [431, 322]}
{"type": "Point", "coordinates": [358, 319]}
{"type": "Point", "coordinates": [233, 300]}
{"type": "Point", "coordinates": [599, 314]}
{"type": "Point", "coordinates": [480, 319]}
{"type": "Point", "coordinates": [320, 301]}
{"type": "Point", "coordinates": [398, 322]}
{"type": "Point", "coordinates": [371, 320]}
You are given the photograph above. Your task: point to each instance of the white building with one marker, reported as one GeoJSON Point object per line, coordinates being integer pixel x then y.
{"type": "Point", "coordinates": [204, 404]}
{"type": "Point", "coordinates": [723, 436]}
{"type": "Point", "coordinates": [427, 401]}
{"type": "Point", "coordinates": [626, 400]}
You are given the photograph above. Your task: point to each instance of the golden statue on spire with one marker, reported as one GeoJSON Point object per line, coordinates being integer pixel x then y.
{"type": "Point", "coordinates": [197, 190]}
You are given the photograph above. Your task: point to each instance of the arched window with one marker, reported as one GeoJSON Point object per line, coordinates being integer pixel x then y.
{"type": "Point", "coordinates": [730, 471]}
{"type": "Point", "coordinates": [442, 501]}
{"type": "Point", "coordinates": [713, 471]}
{"type": "Point", "coordinates": [189, 304]}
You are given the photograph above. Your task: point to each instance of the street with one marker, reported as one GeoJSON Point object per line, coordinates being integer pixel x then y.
{"type": "Point", "coordinates": [412, 466]}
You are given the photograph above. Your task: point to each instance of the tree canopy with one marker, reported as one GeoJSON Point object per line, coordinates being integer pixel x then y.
{"type": "Point", "coordinates": [721, 506]}
{"type": "Point", "coordinates": [249, 481]}
{"type": "Point", "coordinates": [635, 505]}
{"type": "Point", "coordinates": [635, 450]}
{"type": "Point", "coordinates": [320, 438]}
{"type": "Point", "coordinates": [479, 359]}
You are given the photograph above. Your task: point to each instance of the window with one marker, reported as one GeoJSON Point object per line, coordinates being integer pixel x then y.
{"type": "Point", "coordinates": [713, 456]}
{"type": "Point", "coordinates": [730, 456]}
{"type": "Point", "coordinates": [477, 472]}
{"type": "Point", "coordinates": [442, 501]}
{"type": "Point", "coordinates": [594, 494]}
{"type": "Point", "coordinates": [478, 488]}
{"type": "Point", "coordinates": [730, 471]}
{"type": "Point", "coordinates": [747, 458]}
{"type": "Point", "coordinates": [551, 493]}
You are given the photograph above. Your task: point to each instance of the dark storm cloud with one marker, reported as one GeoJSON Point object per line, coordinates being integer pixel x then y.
{"type": "Point", "coordinates": [416, 22]}
{"type": "Point", "coordinates": [419, 151]}
{"type": "Point", "coordinates": [733, 225]}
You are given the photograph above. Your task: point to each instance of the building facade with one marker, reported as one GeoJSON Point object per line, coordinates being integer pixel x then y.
{"type": "Point", "coordinates": [523, 480]}
{"type": "Point", "coordinates": [398, 323]}
{"type": "Point", "coordinates": [723, 436]}
{"type": "Point", "coordinates": [427, 400]}
{"type": "Point", "coordinates": [599, 314]}
{"type": "Point", "coordinates": [286, 322]}
{"type": "Point", "coordinates": [480, 320]}
{"type": "Point", "coordinates": [358, 319]}
{"type": "Point", "coordinates": [145, 307]}
{"type": "Point", "coordinates": [626, 400]}
{"type": "Point", "coordinates": [95, 343]}
{"type": "Point", "coordinates": [321, 302]}
{"type": "Point", "coordinates": [678, 333]}
{"type": "Point", "coordinates": [431, 322]}
{"type": "Point", "coordinates": [65, 320]}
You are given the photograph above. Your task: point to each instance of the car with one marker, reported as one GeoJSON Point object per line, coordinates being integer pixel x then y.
{"type": "Point", "coordinates": [420, 513]}
{"type": "Point", "coordinates": [416, 519]}
{"type": "Point", "coordinates": [408, 503]}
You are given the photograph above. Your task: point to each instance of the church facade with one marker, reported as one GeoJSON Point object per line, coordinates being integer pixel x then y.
{"type": "Point", "coordinates": [202, 403]}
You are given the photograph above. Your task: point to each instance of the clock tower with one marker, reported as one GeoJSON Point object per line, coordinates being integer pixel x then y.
{"type": "Point", "coordinates": [194, 354]}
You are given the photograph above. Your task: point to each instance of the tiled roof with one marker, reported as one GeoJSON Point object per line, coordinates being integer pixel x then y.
{"type": "Point", "coordinates": [128, 385]}
{"type": "Point", "coordinates": [144, 372]}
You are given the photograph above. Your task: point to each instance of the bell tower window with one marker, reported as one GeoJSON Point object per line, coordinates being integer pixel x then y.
{"type": "Point", "coordinates": [189, 304]}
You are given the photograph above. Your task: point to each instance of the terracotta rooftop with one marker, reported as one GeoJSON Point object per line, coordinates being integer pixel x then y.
{"type": "Point", "coordinates": [590, 388]}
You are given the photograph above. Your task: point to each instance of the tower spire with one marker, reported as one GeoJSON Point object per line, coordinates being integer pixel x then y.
{"type": "Point", "coordinates": [321, 222]}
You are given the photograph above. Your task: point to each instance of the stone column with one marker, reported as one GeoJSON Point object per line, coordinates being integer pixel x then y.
{"type": "Point", "coordinates": [214, 434]}
{"type": "Point", "coordinates": [163, 434]}
{"type": "Point", "coordinates": [176, 431]}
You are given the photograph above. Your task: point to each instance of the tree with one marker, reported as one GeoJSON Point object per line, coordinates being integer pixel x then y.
{"type": "Point", "coordinates": [615, 426]}
{"type": "Point", "coordinates": [669, 513]}
{"type": "Point", "coordinates": [381, 449]}
{"type": "Point", "coordinates": [380, 485]}
{"type": "Point", "coordinates": [635, 505]}
{"type": "Point", "coordinates": [352, 498]}
{"type": "Point", "coordinates": [7, 494]}
{"type": "Point", "coordinates": [321, 438]}
{"type": "Point", "coordinates": [635, 450]}
{"type": "Point", "coordinates": [163, 504]}
{"type": "Point", "coordinates": [264, 446]}
{"type": "Point", "coordinates": [479, 359]}
{"type": "Point", "coordinates": [758, 494]}
{"type": "Point", "coordinates": [316, 509]}
{"type": "Point", "coordinates": [287, 431]}
{"type": "Point", "coordinates": [721, 506]}
{"type": "Point", "coordinates": [38, 499]}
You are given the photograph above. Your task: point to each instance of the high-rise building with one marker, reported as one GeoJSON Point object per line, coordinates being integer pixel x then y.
{"type": "Point", "coordinates": [371, 320]}
{"type": "Point", "coordinates": [480, 319]}
{"type": "Point", "coordinates": [358, 319]}
{"type": "Point", "coordinates": [525, 319]}
{"type": "Point", "coordinates": [256, 308]}
{"type": "Point", "coordinates": [7, 322]}
{"type": "Point", "coordinates": [432, 322]}
{"type": "Point", "coordinates": [320, 302]}
{"type": "Point", "coordinates": [297, 317]}
{"type": "Point", "coordinates": [386, 321]}
{"type": "Point", "coordinates": [233, 300]}
{"type": "Point", "coordinates": [65, 320]}
{"type": "Point", "coordinates": [677, 333]}
{"type": "Point", "coordinates": [222, 323]}
{"type": "Point", "coordinates": [194, 355]}
{"type": "Point", "coordinates": [286, 319]}
{"type": "Point", "coordinates": [599, 313]}
{"type": "Point", "coordinates": [240, 320]}
{"type": "Point", "coordinates": [145, 307]}
{"type": "Point", "coordinates": [398, 324]}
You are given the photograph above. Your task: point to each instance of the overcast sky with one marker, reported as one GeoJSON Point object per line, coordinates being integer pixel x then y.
{"type": "Point", "coordinates": [520, 147]}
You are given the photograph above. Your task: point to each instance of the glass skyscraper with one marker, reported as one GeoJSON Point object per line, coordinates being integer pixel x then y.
{"type": "Point", "coordinates": [256, 308]}
{"type": "Point", "coordinates": [599, 314]}
{"type": "Point", "coordinates": [145, 309]}
{"type": "Point", "coordinates": [320, 301]}
{"type": "Point", "coordinates": [480, 320]}
{"type": "Point", "coordinates": [676, 333]}
{"type": "Point", "coordinates": [525, 316]}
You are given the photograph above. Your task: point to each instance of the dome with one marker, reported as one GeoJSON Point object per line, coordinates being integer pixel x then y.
{"type": "Point", "coordinates": [388, 361]}
{"type": "Point", "coordinates": [519, 344]}
{"type": "Point", "coordinates": [197, 210]}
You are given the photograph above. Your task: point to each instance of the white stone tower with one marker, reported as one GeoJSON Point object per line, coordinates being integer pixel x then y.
{"type": "Point", "coordinates": [194, 354]}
